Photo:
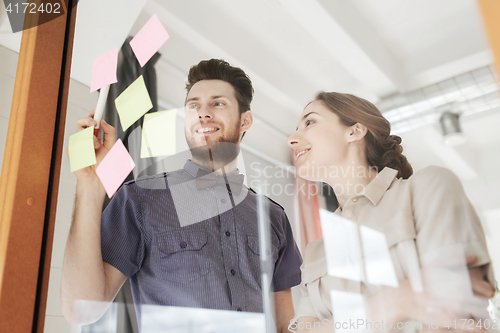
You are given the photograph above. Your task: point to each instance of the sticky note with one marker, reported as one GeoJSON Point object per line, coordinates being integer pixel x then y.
{"type": "Point", "coordinates": [133, 103]}
{"type": "Point", "coordinates": [342, 249]}
{"type": "Point", "coordinates": [104, 70]}
{"type": "Point", "coordinates": [148, 40]}
{"type": "Point", "coordinates": [158, 134]}
{"type": "Point", "coordinates": [115, 167]}
{"type": "Point", "coordinates": [81, 149]}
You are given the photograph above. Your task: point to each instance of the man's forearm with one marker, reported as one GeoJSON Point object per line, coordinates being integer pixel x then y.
{"type": "Point", "coordinates": [83, 275]}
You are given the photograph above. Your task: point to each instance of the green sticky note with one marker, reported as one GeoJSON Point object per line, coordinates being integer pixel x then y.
{"type": "Point", "coordinates": [158, 134]}
{"type": "Point", "coordinates": [133, 103]}
{"type": "Point", "coordinates": [81, 149]}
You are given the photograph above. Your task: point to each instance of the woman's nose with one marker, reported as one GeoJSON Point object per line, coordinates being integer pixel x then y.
{"type": "Point", "coordinates": [293, 140]}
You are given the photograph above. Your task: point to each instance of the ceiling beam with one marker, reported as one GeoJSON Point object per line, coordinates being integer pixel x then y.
{"type": "Point", "coordinates": [351, 40]}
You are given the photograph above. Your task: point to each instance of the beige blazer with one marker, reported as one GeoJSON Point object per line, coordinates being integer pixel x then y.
{"type": "Point", "coordinates": [419, 217]}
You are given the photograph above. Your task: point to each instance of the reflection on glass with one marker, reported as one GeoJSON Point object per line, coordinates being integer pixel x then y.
{"type": "Point", "coordinates": [171, 319]}
{"type": "Point", "coordinates": [186, 320]}
{"type": "Point", "coordinates": [348, 311]}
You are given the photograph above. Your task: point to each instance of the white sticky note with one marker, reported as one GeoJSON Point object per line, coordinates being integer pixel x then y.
{"type": "Point", "coordinates": [379, 267]}
{"type": "Point", "coordinates": [343, 253]}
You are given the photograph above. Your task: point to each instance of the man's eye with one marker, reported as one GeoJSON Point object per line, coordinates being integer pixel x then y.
{"type": "Point", "coordinates": [218, 104]}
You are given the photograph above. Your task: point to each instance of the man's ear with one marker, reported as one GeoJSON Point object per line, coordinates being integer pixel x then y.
{"type": "Point", "coordinates": [246, 121]}
{"type": "Point", "coordinates": [356, 132]}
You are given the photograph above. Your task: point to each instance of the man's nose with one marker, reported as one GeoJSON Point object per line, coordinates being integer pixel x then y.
{"type": "Point", "coordinates": [205, 112]}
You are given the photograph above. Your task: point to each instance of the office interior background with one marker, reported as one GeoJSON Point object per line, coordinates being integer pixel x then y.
{"type": "Point", "coordinates": [415, 59]}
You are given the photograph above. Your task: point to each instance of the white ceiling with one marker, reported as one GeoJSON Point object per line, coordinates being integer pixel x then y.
{"type": "Point", "coordinates": [293, 48]}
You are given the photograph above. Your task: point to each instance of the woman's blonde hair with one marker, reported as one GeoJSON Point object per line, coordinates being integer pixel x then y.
{"type": "Point", "coordinates": [382, 148]}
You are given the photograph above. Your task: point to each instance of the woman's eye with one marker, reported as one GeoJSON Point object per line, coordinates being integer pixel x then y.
{"type": "Point", "coordinates": [308, 122]}
{"type": "Point", "coordinates": [218, 104]}
{"type": "Point", "coordinates": [193, 106]}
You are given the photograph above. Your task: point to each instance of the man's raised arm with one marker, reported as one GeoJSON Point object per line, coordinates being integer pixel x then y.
{"type": "Point", "coordinates": [84, 274]}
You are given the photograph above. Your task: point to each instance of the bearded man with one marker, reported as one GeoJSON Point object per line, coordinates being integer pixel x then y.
{"type": "Point", "coordinates": [190, 237]}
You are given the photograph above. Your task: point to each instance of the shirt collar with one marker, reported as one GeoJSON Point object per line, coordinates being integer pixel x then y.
{"type": "Point", "coordinates": [376, 189]}
{"type": "Point", "coordinates": [193, 168]}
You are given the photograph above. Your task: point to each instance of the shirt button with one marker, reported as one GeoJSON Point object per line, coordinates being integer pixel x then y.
{"type": "Point", "coordinates": [239, 309]}
{"type": "Point", "coordinates": [183, 244]}
{"type": "Point", "coordinates": [228, 233]}
{"type": "Point", "coordinates": [223, 200]}
{"type": "Point", "coordinates": [233, 272]}
{"type": "Point", "coordinates": [355, 199]}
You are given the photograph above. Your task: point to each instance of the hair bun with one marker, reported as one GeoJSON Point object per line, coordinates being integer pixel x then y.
{"type": "Point", "coordinates": [396, 138]}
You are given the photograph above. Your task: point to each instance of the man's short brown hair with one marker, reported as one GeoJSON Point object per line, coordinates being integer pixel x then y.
{"type": "Point", "coordinates": [218, 69]}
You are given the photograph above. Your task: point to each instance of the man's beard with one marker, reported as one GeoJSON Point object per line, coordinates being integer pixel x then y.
{"type": "Point", "coordinates": [218, 153]}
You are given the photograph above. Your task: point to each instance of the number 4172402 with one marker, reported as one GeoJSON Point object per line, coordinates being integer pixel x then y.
{"type": "Point", "coordinates": [32, 8]}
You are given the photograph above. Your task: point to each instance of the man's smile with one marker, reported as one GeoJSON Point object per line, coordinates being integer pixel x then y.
{"type": "Point", "coordinates": [206, 130]}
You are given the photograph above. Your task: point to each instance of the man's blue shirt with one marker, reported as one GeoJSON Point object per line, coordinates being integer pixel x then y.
{"type": "Point", "coordinates": [183, 246]}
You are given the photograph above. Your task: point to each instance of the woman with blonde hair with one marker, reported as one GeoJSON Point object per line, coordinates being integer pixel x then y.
{"type": "Point", "coordinates": [345, 141]}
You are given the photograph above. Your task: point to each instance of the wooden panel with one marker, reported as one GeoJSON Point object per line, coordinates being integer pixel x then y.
{"type": "Point", "coordinates": [490, 11]}
{"type": "Point", "coordinates": [30, 172]}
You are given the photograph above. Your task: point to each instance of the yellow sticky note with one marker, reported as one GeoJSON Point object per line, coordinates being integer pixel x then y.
{"type": "Point", "coordinates": [158, 134]}
{"type": "Point", "coordinates": [133, 103]}
{"type": "Point", "coordinates": [81, 149]}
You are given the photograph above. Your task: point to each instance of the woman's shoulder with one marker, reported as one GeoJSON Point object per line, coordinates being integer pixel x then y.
{"type": "Point", "coordinates": [434, 180]}
{"type": "Point", "coordinates": [433, 174]}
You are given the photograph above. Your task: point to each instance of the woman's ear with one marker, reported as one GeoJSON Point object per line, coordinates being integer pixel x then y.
{"type": "Point", "coordinates": [357, 132]}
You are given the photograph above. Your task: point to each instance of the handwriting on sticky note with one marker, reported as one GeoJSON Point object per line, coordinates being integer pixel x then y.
{"type": "Point", "coordinates": [104, 70]}
{"type": "Point", "coordinates": [148, 40]}
{"type": "Point", "coordinates": [133, 103]}
{"type": "Point", "coordinates": [115, 167]}
{"type": "Point", "coordinates": [81, 149]}
{"type": "Point", "coordinates": [158, 134]}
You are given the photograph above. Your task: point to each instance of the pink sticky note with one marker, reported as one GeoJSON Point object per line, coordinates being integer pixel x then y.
{"type": "Point", "coordinates": [115, 167]}
{"type": "Point", "coordinates": [104, 70]}
{"type": "Point", "coordinates": [149, 40]}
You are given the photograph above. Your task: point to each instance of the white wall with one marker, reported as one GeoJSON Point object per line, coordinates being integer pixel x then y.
{"type": "Point", "coordinates": [8, 59]}
{"type": "Point", "coordinates": [80, 102]}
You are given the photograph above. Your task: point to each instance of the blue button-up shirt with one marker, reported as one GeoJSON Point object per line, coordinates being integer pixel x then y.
{"type": "Point", "coordinates": [181, 246]}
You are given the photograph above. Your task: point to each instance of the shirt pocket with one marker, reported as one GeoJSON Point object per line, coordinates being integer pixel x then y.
{"type": "Point", "coordinates": [182, 255]}
{"type": "Point", "coordinates": [253, 255]}
{"type": "Point", "coordinates": [254, 246]}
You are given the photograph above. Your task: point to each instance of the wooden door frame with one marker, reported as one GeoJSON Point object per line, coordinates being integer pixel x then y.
{"type": "Point", "coordinates": [490, 12]}
{"type": "Point", "coordinates": [31, 167]}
